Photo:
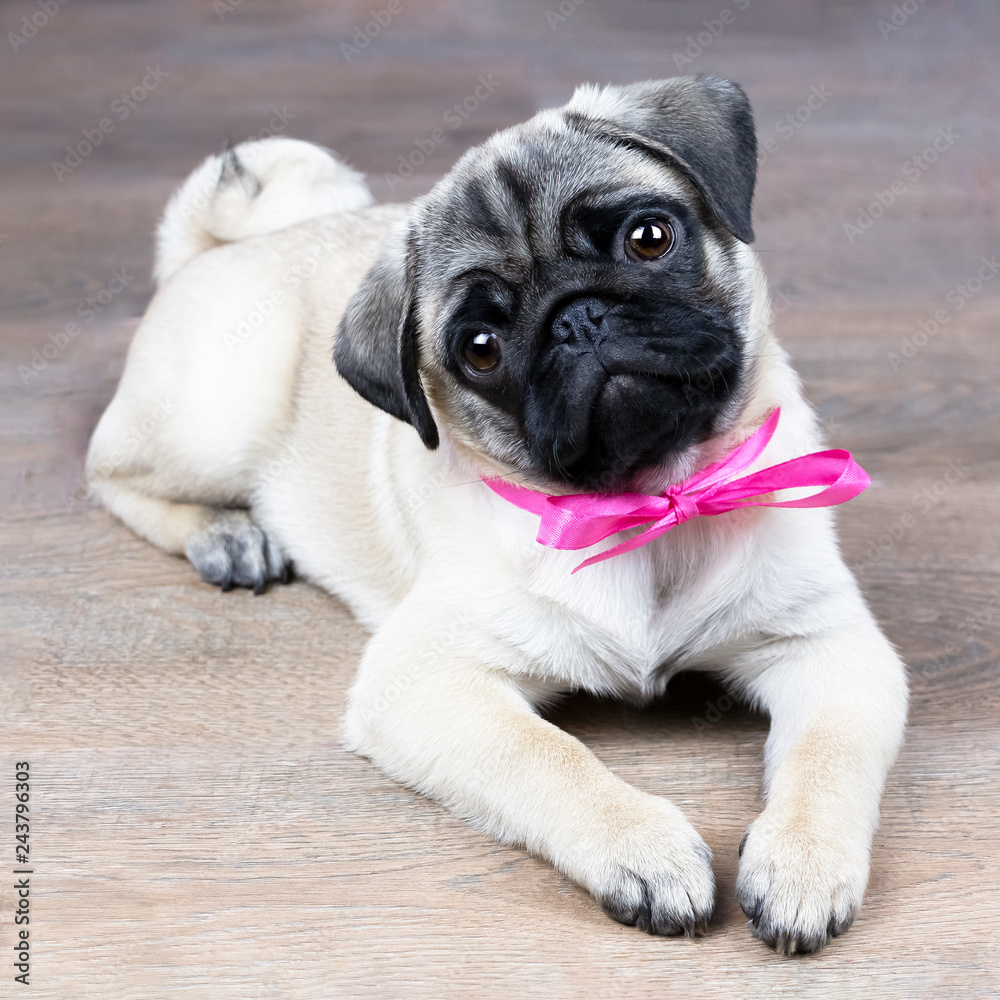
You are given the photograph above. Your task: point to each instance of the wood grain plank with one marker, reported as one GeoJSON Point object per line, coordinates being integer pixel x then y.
{"type": "Point", "coordinates": [199, 830]}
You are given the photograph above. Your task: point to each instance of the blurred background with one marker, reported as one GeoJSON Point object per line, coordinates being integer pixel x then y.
{"type": "Point", "coordinates": [198, 734]}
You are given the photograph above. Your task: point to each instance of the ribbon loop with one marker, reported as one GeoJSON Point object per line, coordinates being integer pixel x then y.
{"type": "Point", "coordinates": [583, 519]}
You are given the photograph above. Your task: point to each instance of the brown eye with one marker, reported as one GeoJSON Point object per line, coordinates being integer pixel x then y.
{"type": "Point", "coordinates": [482, 352]}
{"type": "Point", "coordinates": [650, 239]}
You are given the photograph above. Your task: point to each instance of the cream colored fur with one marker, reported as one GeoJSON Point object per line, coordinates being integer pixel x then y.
{"type": "Point", "coordinates": [475, 624]}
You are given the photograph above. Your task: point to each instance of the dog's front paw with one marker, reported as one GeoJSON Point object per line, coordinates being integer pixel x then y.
{"type": "Point", "coordinates": [656, 873]}
{"type": "Point", "coordinates": [798, 884]}
{"type": "Point", "coordinates": [231, 551]}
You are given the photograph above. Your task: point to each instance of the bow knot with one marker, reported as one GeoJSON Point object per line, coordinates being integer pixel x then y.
{"type": "Point", "coordinates": [583, 519]}
{"type": "Point", "coordinates": [682, 506]}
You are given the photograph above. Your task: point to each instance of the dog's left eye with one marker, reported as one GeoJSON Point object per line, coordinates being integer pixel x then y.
{"type": "Point", "coordinates": [481, 352]}
{"type": "Point", "coordinates": [649, 240]}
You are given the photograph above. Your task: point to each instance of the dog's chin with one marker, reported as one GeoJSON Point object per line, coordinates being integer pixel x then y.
{"type": "Point", "coordinates": [651, 475]}
{"type": "Point", "coordinates": [643, 435]}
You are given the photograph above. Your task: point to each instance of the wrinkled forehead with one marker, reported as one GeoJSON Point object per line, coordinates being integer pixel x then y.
{"type": "Point", "coordinates": [510, 197]}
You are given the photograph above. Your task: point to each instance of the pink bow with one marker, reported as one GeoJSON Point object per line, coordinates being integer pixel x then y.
{"type": "Point", "coordinates": [582, 519]}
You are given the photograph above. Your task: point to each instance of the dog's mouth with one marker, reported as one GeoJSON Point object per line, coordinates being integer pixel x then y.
{"type": "Point", "coordinates": [637, 421]}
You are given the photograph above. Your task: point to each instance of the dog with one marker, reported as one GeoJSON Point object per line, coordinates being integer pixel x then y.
{"type": "Point", "coordinates": [574, 309]}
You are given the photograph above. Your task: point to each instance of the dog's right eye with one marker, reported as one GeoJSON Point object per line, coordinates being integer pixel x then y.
{"type": "Point", "coordinates": [650, 239]}
{"type": "Point", "coordinates": [481, 353]}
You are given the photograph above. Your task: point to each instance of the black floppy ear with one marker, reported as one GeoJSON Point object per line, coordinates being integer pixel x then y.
{"type": "Point", "coordinates": [376, 349]}
{"type": "Point", "coordinates": [703, 125]}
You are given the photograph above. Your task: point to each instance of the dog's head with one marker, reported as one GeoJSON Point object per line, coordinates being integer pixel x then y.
{"type": "Point", "coordinates": [571, 299]}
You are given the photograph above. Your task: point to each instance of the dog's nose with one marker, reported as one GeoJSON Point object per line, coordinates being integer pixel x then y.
{"type": "Point", "coordinates": [580, 320]}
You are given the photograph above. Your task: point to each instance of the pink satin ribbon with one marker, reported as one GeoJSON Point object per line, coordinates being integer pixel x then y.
{"type": "Point", "coordinates": [582, 519]}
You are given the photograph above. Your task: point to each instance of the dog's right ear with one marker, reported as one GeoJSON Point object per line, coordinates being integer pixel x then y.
{"type": "Point", "coordinates": [702, 125]}
{"type": "Point", "coordinates": [377, 346]}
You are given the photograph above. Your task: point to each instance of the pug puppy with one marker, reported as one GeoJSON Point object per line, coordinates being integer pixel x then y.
{"type": "Point", "coordinates": [574, 307]}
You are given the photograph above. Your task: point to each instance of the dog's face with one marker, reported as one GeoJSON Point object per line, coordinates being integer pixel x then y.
{"type": "Point", "coordinates": [573, 296]}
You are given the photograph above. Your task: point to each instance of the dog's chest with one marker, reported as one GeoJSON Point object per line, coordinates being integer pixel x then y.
{"type": "Point", "coordinates": [625, 626]}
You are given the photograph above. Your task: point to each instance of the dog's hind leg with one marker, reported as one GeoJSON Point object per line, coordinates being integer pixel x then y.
{"type": "Point", "coordinates": [225, 545]}
{"type": "Point", "coordinates": [165, 461]}
{"type": "Point", "coordinates": [178, 453]}
{"type": "Point", "coordinates": [206, 397]}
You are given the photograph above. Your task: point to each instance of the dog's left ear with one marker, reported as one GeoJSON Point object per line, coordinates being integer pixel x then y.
{"type": "Point", "coordinates": [702, 125]}
{"type": "Point", "coordinates": [377, 345]}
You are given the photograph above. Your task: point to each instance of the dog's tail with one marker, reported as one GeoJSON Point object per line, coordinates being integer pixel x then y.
{"type": "Point", "coordinates": [254, 188]}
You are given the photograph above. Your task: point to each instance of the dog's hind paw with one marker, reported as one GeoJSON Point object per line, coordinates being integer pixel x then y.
{"type": "Point", "coordinates": [232, 551]}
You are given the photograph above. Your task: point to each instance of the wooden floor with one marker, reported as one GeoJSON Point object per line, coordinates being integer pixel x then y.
{"type": "Point", "coordinates": [196, 827]}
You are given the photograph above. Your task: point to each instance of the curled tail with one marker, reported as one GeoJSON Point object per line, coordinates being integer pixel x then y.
{"type": "Point", "coordinates": [254, 188]}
